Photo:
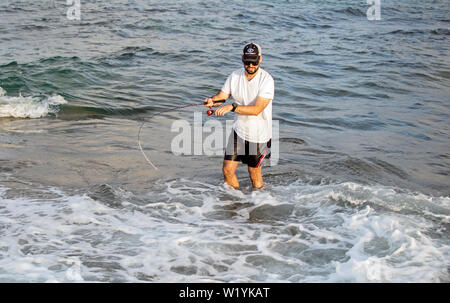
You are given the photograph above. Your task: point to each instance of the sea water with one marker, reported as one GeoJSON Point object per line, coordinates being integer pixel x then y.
{"type": "Point", "coordinates": [360, 192]}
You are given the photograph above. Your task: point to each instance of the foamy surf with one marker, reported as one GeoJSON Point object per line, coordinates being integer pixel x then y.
{"type": "Point", "coordinates": [28, 107]}
{"type": "Point", "coordinates": [188, 231]}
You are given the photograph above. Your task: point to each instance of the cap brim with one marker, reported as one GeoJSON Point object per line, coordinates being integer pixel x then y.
{"type": "Point", "coordinates": [251, 57]}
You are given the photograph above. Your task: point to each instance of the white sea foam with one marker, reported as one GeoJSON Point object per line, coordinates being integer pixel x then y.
{"type": "Point", "coordinates": [192, 231]}
{"type": "Point", "coordinates": [28, 107]}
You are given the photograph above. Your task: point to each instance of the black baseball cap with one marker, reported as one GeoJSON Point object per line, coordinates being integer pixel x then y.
{"type": "Point", "coordinates": [252, 52]}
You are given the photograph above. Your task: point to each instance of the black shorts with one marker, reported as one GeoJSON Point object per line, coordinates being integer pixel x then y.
{"type": "Point", "coordinates": [246, 152]}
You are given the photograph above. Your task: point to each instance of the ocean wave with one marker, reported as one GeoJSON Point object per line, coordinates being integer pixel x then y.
{"type": "Point", "coordinates": [336, 232]}
{"type": "Point", "coordinates": [351, 11]}
{"type": "Point", "coordinates": [29, 107]}
{"type": "Point", "coordinates": [416, 31]}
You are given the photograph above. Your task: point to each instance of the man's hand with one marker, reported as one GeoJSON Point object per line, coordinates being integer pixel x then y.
{"type": "Point", "coordinates": [209, 102]}
{"type": "Point", "coordinates": [221, 96]}
{"type": "Point", "coordinates": [221, 111]}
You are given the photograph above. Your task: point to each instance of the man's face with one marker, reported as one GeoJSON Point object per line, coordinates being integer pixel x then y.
{"type": "Point", "coordinates": [251, 66]}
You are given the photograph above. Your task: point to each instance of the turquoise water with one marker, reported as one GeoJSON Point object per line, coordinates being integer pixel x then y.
{"type": "Point", "coordinates": [361, 189]}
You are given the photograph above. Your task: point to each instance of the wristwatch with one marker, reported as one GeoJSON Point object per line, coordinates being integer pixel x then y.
{"type": "Point", "coordinates": [234, 106]}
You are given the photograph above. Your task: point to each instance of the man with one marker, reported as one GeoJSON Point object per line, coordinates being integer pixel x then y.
{"type": "Point", "coordinates": [252, 89]}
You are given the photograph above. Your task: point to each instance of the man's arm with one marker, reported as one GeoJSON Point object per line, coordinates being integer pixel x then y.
{"type": "Point", "coordinates": [249, 110]}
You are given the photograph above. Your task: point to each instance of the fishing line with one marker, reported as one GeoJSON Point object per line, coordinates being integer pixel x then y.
{"type": "Point", "coordinates": [209, 113]}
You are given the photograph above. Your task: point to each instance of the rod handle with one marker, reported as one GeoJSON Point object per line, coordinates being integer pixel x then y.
{"type": "Point", "coordinates": [217, 102]}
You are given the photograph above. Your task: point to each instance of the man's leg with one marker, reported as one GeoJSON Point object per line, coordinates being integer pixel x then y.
{"type": "Point", "coordinates": [229, 173]}
{"type": "Point", "coordinates": [255, 176]}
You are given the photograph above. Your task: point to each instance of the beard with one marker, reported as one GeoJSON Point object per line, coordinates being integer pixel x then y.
{"type": "Point", "coordinates": [251, 72]}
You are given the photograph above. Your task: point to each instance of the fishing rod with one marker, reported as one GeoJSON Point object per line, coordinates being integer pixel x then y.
{"type": "Point", "coordinates": [208, 112]}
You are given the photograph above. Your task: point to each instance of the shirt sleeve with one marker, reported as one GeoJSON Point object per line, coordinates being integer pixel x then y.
{"type": "Point", "coordinates": [267, 88]}
{"type": "Point", "coordinates": [226, 88]}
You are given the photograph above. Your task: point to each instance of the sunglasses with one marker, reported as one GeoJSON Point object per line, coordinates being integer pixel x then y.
{"type": "Point", "coordinates": [248, 62]}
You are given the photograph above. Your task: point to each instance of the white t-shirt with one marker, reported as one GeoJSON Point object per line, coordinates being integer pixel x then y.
{"type": "Point", "coordinates": [257, 129]}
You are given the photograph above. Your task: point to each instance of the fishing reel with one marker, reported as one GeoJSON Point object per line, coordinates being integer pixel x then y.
{"type": "Point", "coordinates": [210, 112]}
